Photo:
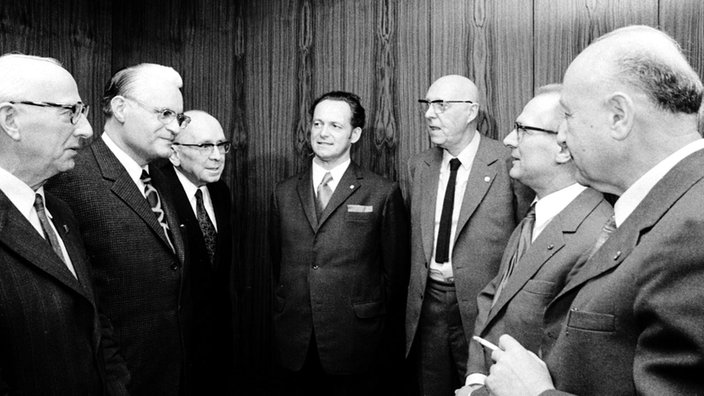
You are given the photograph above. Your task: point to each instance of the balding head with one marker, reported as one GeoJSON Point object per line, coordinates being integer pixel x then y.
{"type": "Point", "coordinates": [200, 165]}
{"type": "Point", "coordinates": [631, 99]}
{"type": "Point", "coordinates": [41, 122]}
{"type": "Point", "coordinates": [452, 119]}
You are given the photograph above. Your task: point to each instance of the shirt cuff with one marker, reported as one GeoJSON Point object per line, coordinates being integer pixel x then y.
{"type": "Point", "coordinates": [475, 379]}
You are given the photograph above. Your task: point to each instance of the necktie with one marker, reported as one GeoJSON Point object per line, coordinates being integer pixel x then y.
{"type": "Point", "coordinates": [48, 230]}
{"type": "Point", "coordinates": [609, 227]}
{"type": "Point", "coordinates": [206, 226]}
{"type": "Point", "coordinates": [324, 194]}
{"type": "Point", "coordinates": [524, 242]}
{"type": "Point", "coordinates": [155, 202]}
{"type": "Point", "coordinates": [442, 247]}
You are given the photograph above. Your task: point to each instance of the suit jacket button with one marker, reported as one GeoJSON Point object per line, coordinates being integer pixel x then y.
{"type": "Point", "coordinates": [315, 266]}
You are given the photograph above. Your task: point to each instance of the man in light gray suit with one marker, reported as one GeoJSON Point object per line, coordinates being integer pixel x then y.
{"type": "Point", "coordinates": [630, 321]}
{"type": "Point", "coordinates": [553, 240]}
{"type": "Point", "coordinates": [463, 206]}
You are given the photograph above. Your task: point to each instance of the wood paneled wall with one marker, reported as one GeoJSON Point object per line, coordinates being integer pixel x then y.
{"type": "Point", "coordinates": [257, 65]}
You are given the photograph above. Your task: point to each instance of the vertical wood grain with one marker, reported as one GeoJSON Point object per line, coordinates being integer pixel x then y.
{"type": "Point", "coordinates": [682, 19]}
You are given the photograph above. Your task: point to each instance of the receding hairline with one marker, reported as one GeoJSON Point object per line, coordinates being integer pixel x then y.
{"type": "Point", "coordinates": [461, 86]}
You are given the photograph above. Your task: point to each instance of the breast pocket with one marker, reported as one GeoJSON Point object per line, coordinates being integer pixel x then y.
{"type": "Point", "coordinates": [591, 321]}
{"type": "Point", "coordinates": [359, 217]}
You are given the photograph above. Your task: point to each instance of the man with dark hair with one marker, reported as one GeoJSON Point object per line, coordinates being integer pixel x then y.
{"type": "Point", "coordinates": [630, 321]}
{"type": "Point", "coordinates": [339, 250]}
{"type": "Point", "coordinates": [132, 234]}
{"type": "Point", "coordinates": [51, 338]}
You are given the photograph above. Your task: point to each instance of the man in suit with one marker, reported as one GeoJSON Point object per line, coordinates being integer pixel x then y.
{"type": "Point", "coordinates": [202, 202]}
{"type": "Point", "coordinates": [52, 341]}
{"type": "Point", "coordinates": [130, 229]}
{"type": "Point", "coordinates": [463, 209]}
{"type": "Point", "coordinates": [630, 321]}
{"type": "Point", "coordinates": [339, 243]}
{"type": "Point", "coordinates": [553, 240]}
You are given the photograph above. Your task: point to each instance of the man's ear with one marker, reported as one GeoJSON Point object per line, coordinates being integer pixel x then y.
{"type": "Point", "coordinates": [9, 123]}
{"type": "Point", "coordinates": [356, 134]}
{"type": "Point", "coordinates": [118, 104]}
{"type": "Point", "coordinates": [174, 158]}
{"type": "Point", "coordinates": [473, 112]}
{"type": "Point", "coordinates": [563, 156]}
{"type": "Point", "coordinates": [621, 115]}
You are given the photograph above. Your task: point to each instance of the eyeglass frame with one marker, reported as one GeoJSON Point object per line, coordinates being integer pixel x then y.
{"type": "Point", "coordinates": [77, 109]}
{"type": "Point", "coordinates": [522, 129]}
{"type": "Point", "coordinates": [182, 119]}
{"type": "Point", "coordinates": [226, 146]}
{"type": "Point", "coordinates": [442, 103]}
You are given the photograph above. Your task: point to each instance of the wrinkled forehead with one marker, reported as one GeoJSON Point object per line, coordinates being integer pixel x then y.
{"type": "Point", "coordinates": [202, 129]}
{"type": "Point", "coordinates": [37, 80]}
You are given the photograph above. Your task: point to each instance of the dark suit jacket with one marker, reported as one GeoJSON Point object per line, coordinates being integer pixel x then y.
{"type": "Point", "coordinates": [563, 246]}
{"type": "Point", "coordinates": [343, 277]}
{"type": "Point", "coordinates": [51, 342]}
{"type": "Point", "coordinates": [492, 206]}
{"type": "Point", "coordinates": [139, 281]}
{"type": "Point", "coordinates": [632, 320]}
{"type": "Point", "coordinates": [210, 286]}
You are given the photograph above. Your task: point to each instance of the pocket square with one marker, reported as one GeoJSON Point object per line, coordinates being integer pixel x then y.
{"type": "Point", "coordinates": [360, 208]}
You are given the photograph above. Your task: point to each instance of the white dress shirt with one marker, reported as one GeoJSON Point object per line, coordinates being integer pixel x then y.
{"type": "Point", "coordinates": [190, 189]}
{"type": "Point", "coordinates": [131, 166]}
{"type": "Point", "coordinates": [336, 173]}
{"type": "Point", "coordinates": [443, 272]}
{"type": "Point", "coordinates": [22, 196]}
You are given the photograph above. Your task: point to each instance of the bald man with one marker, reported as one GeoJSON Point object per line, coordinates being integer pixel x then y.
{"type": "Point", "coordinates": [51, 338]}
{"type": "Point", "coordinates": [202, 202]}
{"type": "Point", "coordinates": [630, 322]}
{"type": "Point", "coordinates": [464, 207]}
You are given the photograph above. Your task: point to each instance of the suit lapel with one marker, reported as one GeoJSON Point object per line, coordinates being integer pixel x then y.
{"type": "Point", "coordinates": [18, 235]}
{"type": "Point", "coordinates": [305, 194]}
{"type": "Point", "coordinates": [124, 187]}
{"type": "Point", "coordinates": [430, 174]}
{"type": "Point", "coordinates": [484, 169]}
{"type": "Point", "coordinates": [350, 182]}
{"type": "Point", "coordinates": [658, 201]}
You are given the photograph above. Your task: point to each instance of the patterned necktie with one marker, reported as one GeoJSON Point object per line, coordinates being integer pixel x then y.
{"type": "Point", "coordinates": [210, 235]}
{"type": "Point", "coordinates": [48, 230]}
{"type": "Point", "coordinates": [442, 246]}
{"type": "Point", "coordinates": [155, 202]}
{"type": "Point", "coordinates": [524, 242]}
{"type": "Point", "coordinates": [606, 231]}
{"type": "Point", "coordinates": [324, 194]}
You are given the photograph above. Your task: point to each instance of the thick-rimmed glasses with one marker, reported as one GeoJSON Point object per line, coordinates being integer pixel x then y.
{"type": "Point", "coordinates": [165, 115]}
{"type": "Point", "coordinates": [77, 110]}
{"type": "Point", "coordinates": [521, 130]}
{"type": "Point", "coordinates": [439, 106]}
{"type": "Point", "coordinates": [207, 148]}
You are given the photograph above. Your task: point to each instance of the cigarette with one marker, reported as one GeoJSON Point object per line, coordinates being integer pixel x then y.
{"type": "Point", "coordinates": [485, 343]}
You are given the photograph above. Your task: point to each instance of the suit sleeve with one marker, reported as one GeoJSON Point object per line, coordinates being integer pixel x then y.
{"type": "Point", "coordinates": [476, 360]}
{"type": "Point", "coordinates": [395, 250]}
{"type": "Point", "coordinates": [117, 375]}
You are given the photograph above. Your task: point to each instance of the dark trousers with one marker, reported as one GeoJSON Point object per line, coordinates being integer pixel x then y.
{"type": "Point", "coordinates": [312, 380]}
{"type": "Point", "coordinates": [441, 346]}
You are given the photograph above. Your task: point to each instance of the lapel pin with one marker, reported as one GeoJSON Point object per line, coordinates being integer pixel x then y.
{"type": "Point", "coordinates": [487, 179]}
{"type": "Point", "coordinates": [351, 186]}
{"type": "Point", "coordinates": [551, 246]}
{"type": "Point", "coordinates": [66, 228]}
{"type": "Point", "coordinates": [617, 255]}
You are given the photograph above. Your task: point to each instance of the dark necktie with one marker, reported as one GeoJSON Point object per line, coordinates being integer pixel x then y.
{"type": "Point", "coordinates": [606, 231]}
{"type": "Point", "coordinates": [324, 193]}
{"type": "Point", "coordinates": [155, 202]}
{"type": "Point", "coordinates": [524, 242]}
{"type": "Point", "coordinates": [48, 230]}
{"type": "Point", "coordinates": [442, 247]}
{"type": "Point", "coordinates": [210, 235]}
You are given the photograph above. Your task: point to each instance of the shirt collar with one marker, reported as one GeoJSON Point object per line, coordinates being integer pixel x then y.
{"type": "Point", "coordinates": [552, 204]}
{"type": "Point", "coordinates": [336, 173]}
{"type": "Point", "coordinates": [188, 187]}
{"type": "Point", "coordinates": [633, 196]}
{"type": "Point", "coordinates": [18, 192]}
{"type": "Point", "coordinates": [466, 156]}
{"type": "Point", "coordinates": [130, 165]}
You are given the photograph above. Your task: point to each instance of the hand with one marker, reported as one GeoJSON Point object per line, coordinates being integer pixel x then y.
{"type": "Point", "coordinates": [467, 390]}
{"type": "Point", "coordinates": [517, 371]}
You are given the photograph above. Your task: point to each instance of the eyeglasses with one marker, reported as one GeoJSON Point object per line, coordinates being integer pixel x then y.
{"type": "Point", "coordinates": [521, 130]}
{"type": "Point", "coordinates": [77, 110]}
{"type": "Point", "coordinates": [207, 148]}
{"type": "Point", "coordinates": [165, 115]}
{"type": "Point", "coordinates": [439, 106]}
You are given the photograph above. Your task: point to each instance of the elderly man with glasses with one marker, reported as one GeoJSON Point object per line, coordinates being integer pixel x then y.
{"type": "Point", "coordinates": [550, 244]}
{"type": "Point", "coordinates": [202, 202]}
{"type": "Point", "coordinates": [132, 234]}
{"type": "Point", "coordinates": [464, 206]}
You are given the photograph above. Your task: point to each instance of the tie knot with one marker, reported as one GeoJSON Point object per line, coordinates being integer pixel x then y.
{"type": "Point", "coordinates": [455, 164]}
{"type": "Point", "coordinates": [199, 194]}
{"type": "Point", "coordinates": [38, 202]}
{"type": "Point", "coordinates": [531, 212]}
{"type": "Point", "coordinates": [145, 178]}
{"type": "Point", "coordinates": [326, 179]}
